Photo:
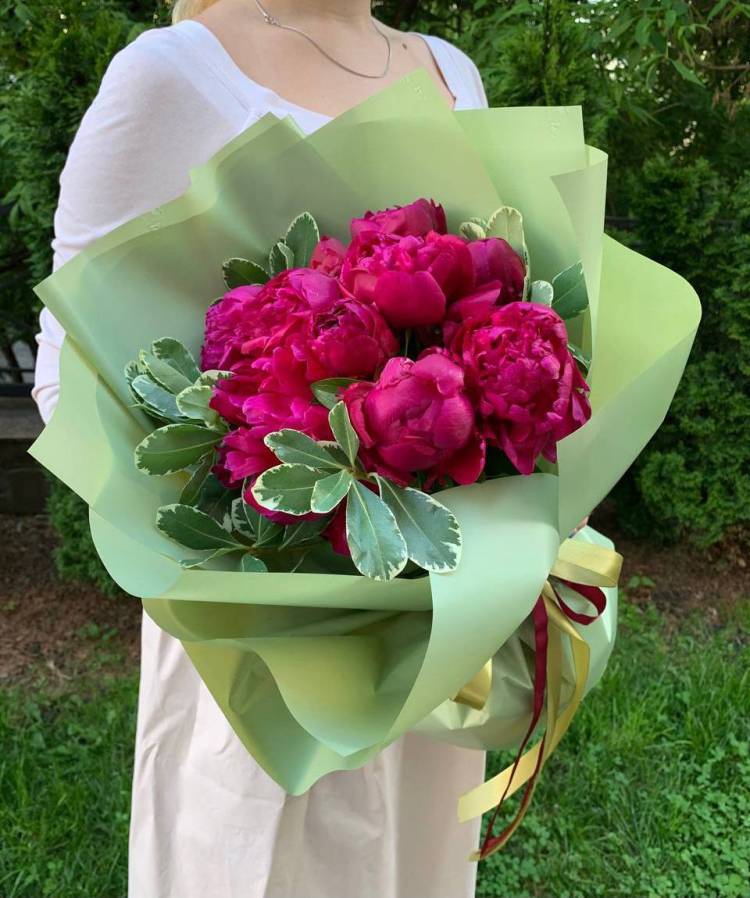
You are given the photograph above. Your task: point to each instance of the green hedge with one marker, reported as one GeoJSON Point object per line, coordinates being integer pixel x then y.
{"type": "Point", "coordinates": [75, 556]}
{"type": "Point", "coordinates": [663, 91]}
{"type": "Point", "coordinates": [694, 478]}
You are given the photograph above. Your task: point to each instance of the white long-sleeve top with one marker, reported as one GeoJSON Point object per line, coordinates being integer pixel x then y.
{"type": "Point", "coordinates": [168, 102]}
{"type": "Point", "coordinates": [206, 820]}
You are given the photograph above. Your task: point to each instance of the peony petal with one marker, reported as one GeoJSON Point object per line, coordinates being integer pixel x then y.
{"type": "Point", "coordinates": [466, 465]}
{"type": "Point", "coordinates": [409, 300]}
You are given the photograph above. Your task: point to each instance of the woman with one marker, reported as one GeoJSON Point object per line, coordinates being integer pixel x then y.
{"type": "Point", "coordinates": [206, 820]}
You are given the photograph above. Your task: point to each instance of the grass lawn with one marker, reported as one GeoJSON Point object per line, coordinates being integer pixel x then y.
{"type": "Point", "coordinates": [647, 794]}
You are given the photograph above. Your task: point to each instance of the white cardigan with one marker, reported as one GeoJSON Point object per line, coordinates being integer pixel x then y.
{"type": "Point", "coordinates": [206, 820]}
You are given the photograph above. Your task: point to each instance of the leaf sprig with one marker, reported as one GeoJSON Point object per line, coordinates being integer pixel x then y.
{"type": "Point", "coordinates": [386, 525]}
{"type": "Point", "coordinates": [293, 250]}
{"type": "Point", "coordinates": [167, 385]}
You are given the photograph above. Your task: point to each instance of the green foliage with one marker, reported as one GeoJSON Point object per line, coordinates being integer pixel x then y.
{"type": "Point", "coordinates": [330, 491]}
{"type": "Point", "coordinates": [297, 448]}
{"type": "Point", "coordinates": [642, 796]}
{"type": "Point", "coordinates": [665, 89]}
{"type": "Point", "coordinates": [75, 557]}
{"type": "Point", "coordinates": [571, 297]}
{"type": "Point", "coordinates": [52, 57]}
{"type": "Point", "coordinates": [532, 53]}
{"type": "Point", "coordinates": [239, 272]}
{"type": "Point", "coordinates": [302, 238]}
{"type": "Point", "coordinates": [174, 448]}
{"type": "Point", "coordinates": [431, 532]}
{"type": "Point", "coordinates": [694, 478]}
{"type": "Point", "coordinates": [193, 528]}
{"type": "Point", "coordinates": [375, 541]}
{"type": "Point", "coordinates": [65, 785]}
{"type": "Point", "coordinates": [383, 531]}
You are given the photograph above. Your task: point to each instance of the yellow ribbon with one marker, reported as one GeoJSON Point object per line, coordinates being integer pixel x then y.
{"type": "Point", "coordinates": [585, 563]}
{"type": "Point", "coordinates": [476, 692]}
{"type": "Point", "coordinates": [577, 562]}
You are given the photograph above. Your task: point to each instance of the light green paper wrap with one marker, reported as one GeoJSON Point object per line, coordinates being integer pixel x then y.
{"type": "Point", "coordinates": [318, 672]}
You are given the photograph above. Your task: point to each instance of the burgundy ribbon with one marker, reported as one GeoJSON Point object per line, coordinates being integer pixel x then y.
{"type": "Point", "coordinates": [541, 641]}
{"type": "Point", "coordinates": [592, 593]}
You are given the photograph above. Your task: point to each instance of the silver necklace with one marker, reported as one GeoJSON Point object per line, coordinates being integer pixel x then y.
{"type": "Point", "coordinates": [272, 20]}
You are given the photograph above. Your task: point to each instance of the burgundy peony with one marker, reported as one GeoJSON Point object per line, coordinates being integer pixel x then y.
{"type": "Point", "coordinates": [499, 274]}
{"type": "Point", "coordinates": [243, 453]}
{"type": "Point", "coordinates": [417, 417]}
{"type": "Point", "coordinates": [247, 321]}
{"type": "Point", "coordinates": [280, 338]}
{"type": "Point", "coordinates": [409, 279]}
{"type": "Point", "coordinates": [528, 389]}
{"type": "Point", "coordinates": [328, 256]}
{"type": "Point", "coordinates": [496, 262]}
{"type": "Point", "coordinates": [415, 219]}
{"type": "Point", "coordinates": [227, 323]}
{"type": "Point", "coordinates": [352, 340]}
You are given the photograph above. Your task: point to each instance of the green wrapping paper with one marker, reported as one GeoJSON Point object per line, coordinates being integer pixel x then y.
{"type": "Point", "coordinates": [318, 672]}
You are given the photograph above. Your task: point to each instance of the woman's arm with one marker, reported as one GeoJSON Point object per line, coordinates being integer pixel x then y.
{"type": "Point", "coordinates": [146, 128]}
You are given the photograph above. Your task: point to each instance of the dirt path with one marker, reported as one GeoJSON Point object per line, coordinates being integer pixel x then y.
{"type": "Point", "coordinates": [50, 628]}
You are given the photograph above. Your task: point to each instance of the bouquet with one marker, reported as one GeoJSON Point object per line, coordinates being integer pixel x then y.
{"type": "Point", "coordinates": [339, 386]}
{"type": "Point", "coordinates": [357, 470]}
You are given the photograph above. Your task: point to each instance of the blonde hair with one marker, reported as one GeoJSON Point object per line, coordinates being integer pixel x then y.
{"type": "Point", "coordinates": [187, 9]}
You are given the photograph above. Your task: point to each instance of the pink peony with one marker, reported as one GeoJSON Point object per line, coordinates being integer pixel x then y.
{"type": "Point", "coordinates": [410, 279]}
{"type": "Point", "coordinates": [496, 262]}
{"type": "Point", "coordinates": [227, 322]}
{"type": "Point", "coordinates": [417, 417]}
{"type": "Point", "coordinates": [248, 321]}
{"type": "Point", "coordinates": [528, 389]}
{"type": "Point", "coordinates": [499, 274]}
{"type": "Point", "coordinates": [243, 455]}
{"type": "Point", "coordinates": [352, 340]}
{"type": "Point", "coordinates": [328, 256]}
{"type": "Point", "coordinates": [230, 393]}
{"type": "Point", "coordinates": [282, 337]}
{"type": "Point", "coordinates": [476, 306]}
{"type": "Point", "coordinates": [415, 219]}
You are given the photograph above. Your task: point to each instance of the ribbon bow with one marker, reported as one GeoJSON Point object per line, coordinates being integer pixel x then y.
{"type": "Point", "coordinates": [584, 568]}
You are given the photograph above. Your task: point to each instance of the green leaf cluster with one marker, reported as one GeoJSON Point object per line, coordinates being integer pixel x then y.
{"type": "Point", "coordinates": [293, 250]}
{"type": "Point", "coordinates": [386, 525]}
{"type": "Point", "coordinates": [167, 385]}
{"type": "Point", "coordinates": [221, 523]}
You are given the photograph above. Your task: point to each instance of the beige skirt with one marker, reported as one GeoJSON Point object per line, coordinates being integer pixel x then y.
{"type": "Point", "coordinates": [207, 822]}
